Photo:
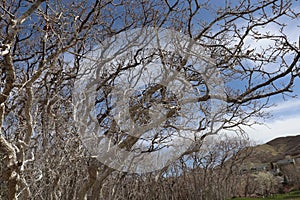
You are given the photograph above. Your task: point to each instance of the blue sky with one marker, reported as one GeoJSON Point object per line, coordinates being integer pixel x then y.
{"type": "Point", "coordinates": [286, 113]}
{"type": "Point", "coordinates": [285, 120]}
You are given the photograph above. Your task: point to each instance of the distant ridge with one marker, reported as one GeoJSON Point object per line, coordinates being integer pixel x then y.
{"type": "Point", "coordinates": [276, 149]}
{"type": "Point", "coordinates": [289, 145]}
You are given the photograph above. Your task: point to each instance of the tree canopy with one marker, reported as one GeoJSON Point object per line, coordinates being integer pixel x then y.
{"type": "Point", "coordinates": [92, 87]}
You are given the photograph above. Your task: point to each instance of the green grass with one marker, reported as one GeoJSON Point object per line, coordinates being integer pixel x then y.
{"type": "Point", "coordinates": [295, 195]}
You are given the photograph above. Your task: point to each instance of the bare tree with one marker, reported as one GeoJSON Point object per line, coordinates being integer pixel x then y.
{"type": "Point", "coordinates": [212, 173]}
{"type": "Point", "coordinates": [44, 44]}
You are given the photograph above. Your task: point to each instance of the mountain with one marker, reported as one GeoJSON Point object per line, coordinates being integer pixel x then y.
{"type": "Point", "coordinates": [276, 149]}
{"type": "Point", "coordinates": [287, 145]}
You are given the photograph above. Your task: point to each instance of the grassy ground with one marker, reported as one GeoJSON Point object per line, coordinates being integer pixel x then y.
{"type": "Point", "coordinates": [295, 195]}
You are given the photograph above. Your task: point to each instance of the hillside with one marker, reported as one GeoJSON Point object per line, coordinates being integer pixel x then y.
{"type": "Point", "coordinates": [287, 145]}
{"type": "Point", "coordinates": [276, 149]}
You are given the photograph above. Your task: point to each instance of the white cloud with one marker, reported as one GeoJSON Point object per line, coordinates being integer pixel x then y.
{"type": "Point", "coordinates": [274, 129]}
{"type": "Point", "coordinates": [288, 107]}
{"type": "Point", "coordinates": [286, 122]}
